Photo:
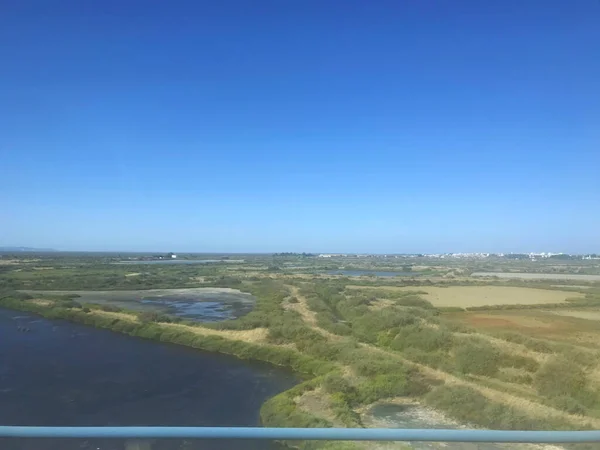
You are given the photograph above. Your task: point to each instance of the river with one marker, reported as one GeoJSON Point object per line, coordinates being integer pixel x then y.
{"type": "Point", "coordinates": [57, 373]}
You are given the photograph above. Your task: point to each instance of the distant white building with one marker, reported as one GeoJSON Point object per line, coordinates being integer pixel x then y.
{"type": "Point", "coordinates": [173, 255]}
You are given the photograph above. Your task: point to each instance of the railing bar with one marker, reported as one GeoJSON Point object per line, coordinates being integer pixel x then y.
{"type": "Point", "coordinates": [350, 434]}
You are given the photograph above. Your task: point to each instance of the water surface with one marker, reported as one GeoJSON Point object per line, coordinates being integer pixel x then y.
{"type": "Point", "coordinates": [197, 304]}
{"type": "Point", "coordinates": [58, 374]}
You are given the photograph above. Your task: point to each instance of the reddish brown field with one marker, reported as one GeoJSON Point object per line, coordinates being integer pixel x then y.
{"type": "Point", "coordinates": [545, 324]}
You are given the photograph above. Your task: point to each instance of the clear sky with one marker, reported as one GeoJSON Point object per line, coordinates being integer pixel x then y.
{"type": "Point", "coordinates": [300, 125]}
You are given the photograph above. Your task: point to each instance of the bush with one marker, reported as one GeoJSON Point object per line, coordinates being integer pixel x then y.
{"type": "Point", "coordinates": [282, 411]}
{"type": "Point", "coordinates": [456, 327]}
{"type": "Point", "coordinates": [384, 386]}
{"type": "Point", "coordinates": [518, 362]}
{"type": "Point", "coordinates": [537, 345]}
{"type": "Point", "coordinates": [477, 358]}
{"type": "Point", "coordinates": [414, 300]}
{"type": "Point", "coordinates": [69, 304]}
{"type": "Point", "coordinates": [15, 295]}
{"type": "Point", "coordinates": [568, 404]}
{"type": "Point", "coordinates": [515, 377]}
{"type": "Point", "coordinates": [370, 367]}
{"type": "Point", "coordinates": [340, 329]}
{"type": "Point", "coordinates": [343, 410]}
{"type": "Point", "coordinates": [450, 309]}
{"type": "Point", "coordinates": [438, 359]}
{"type": "Point", "coordinates": [155, 316]}
{"type": "Point", "coordinates": [110, 308]}
{"type": "Point", "coordinates": [467, 405]}
{"type": "Point", "coordinates": [425, 338]}
{"type": "Point", "coordinates": [368, 325]}
{"type": "Point", "coordinates": [559, 377]}
{"type": "Point", "coordinates": [335, 383]}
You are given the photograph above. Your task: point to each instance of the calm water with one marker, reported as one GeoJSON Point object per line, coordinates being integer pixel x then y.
{"type": "Point", "coordinates": [375, 273]}
{"type": "Point", "coordinates": [60, 373]}
{"type": "Point", "coordinates": [197, 304]}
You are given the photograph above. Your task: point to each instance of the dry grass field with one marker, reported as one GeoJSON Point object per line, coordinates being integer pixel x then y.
{"type": "Point", "coordinates": [465, 296]}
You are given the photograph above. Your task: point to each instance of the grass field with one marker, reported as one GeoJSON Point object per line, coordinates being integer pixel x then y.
{"type": "Point", "coordinates": [466, 296]}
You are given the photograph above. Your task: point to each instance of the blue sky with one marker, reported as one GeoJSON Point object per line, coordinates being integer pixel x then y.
{"type": "Point", "coordinates": [334, 126]}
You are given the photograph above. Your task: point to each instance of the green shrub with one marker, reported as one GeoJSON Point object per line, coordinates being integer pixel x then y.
{"type": "Point", "coordinates": [343, 410]}
{"type": "Point", "coordinates": [154, 316]}
{"type": "Point", "coordinates": [580, 357]}
{"type": "Point", "coordinates": [281, 411]}
{"type": "Point", "coordinates": [477, 358]}
{"type": "Point", "coordinates": [382, 386]}
{"type": "Point", "coordinates": [422, 337]}
{"type": "Point", "coordinates": [568, 404]}
{"type": "Point", "coordinates": [456, 327]}
{"type": "Point", "coordinates": [15, 295]}
{"type": "Point", "coordinates": [438, 359]}
{"type": "Point", "coordinates": [367, 325]}
{"type": "Point", "coordinates": [466, 404]}
{"type": "Point", "coordinates": [372, 366]}
{"type": "Point", "coordinates": [414, 300]}
{"type": "Point", "coordinates": [559, 377]}
{"type": "Point", "coordinates": [518, 362]}
{"type": "Point", "coordinates": [341, 329]}
{"type": "Point", "coordinates": [450, 309]}
{"type": "Point", "coordinates": [110, 308]}
{"type": "Point", "coordinates": [537, 345]}
{"type": "Point", "coordinates": [69, 304]}
{"type": "Point", "coordinates": [511, 377]}
{"type": "Point", "coordinates": [335, 383]}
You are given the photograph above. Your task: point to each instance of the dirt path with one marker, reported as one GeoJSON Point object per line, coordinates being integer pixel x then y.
{"type": "Point", "coordinates": [531, 407]}
{"type": "Point", "coordinates": [520, 403]}
{"type": "Point", "coordinates": [308, 315]}
{"type": "Point", "coordinates": [255, 335]}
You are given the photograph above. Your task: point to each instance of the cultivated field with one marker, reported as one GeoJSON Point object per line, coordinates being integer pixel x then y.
{"type": "Point", "coordinates": [466, 296]}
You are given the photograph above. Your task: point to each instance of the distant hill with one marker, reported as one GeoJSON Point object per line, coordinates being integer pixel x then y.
{"type": "Point", "coordinates": [25, 249]}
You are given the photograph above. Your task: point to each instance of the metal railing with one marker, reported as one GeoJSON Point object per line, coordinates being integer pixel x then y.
{"type": "Point", "coordinates": [329, 434]}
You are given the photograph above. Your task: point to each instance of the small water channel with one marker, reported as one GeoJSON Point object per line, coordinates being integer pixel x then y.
{"type": "Point", "coordinates": [57, 374]}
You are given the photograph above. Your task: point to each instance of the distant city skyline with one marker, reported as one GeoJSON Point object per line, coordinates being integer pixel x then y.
{"type": "Point", "coordinates": [350, 126]}
{"type": "Point", "coordinates": [9, 248]}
